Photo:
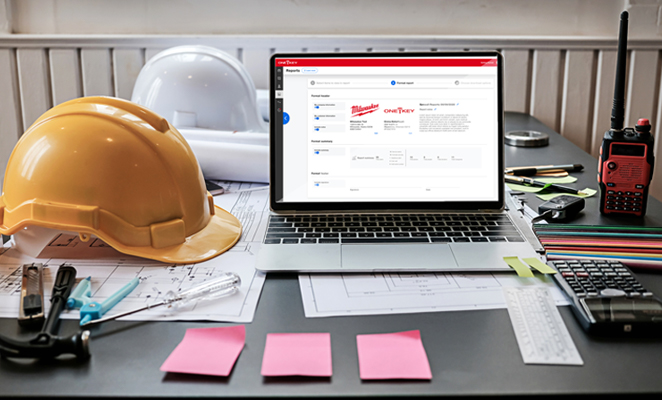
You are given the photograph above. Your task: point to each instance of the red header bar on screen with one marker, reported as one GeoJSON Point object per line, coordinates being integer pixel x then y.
{"type": "Point", "coordinates": [386, 62]}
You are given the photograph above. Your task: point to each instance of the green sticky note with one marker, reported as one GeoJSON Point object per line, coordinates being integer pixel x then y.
{"type": "Point", "coordinates": [535, 189]}
{"type": "Point", "coordinates": [548, 196]}
{"type": "Point", "coordinates": [521, 269]}
{"type": "Point", "coordinates": [539, 265]}
{"type": "Point", "coordinates": [522, 188]}
{"type": "Point", "coordinates": [565, 179]}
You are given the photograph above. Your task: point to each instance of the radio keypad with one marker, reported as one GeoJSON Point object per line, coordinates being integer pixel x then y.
{"type": "Point", "coordinates": [626, 199]}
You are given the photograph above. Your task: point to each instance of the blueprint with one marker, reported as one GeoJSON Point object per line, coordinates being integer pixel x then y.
{"type": "Point", "coordinates": [400, 293]}
{"type": "Point", "coordinates": [110, 270]}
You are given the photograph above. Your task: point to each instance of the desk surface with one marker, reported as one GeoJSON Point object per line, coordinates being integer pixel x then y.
{"type": "Point", "coordinates": [470, 353]}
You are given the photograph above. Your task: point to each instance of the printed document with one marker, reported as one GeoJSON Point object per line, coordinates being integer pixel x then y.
{"type": "Point", "coordinates": [402, 293]}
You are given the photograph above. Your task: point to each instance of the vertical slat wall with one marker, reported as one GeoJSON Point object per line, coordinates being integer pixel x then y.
{"type": "Point", "coordinates": [516, 80]}
{"type": "Point", "coordinates": [576, 110]}
{"type": "Point", "coordinates": [11, 125]}
{"type": "Point", "coordinates": [97, 72]}
{"type": "Point", "coordinates": [642, 91]}
{"type": "Point", "coordinates": [66, 80]}
{"type": "Point", "coordinates": [34, 83]}
{"type": "Point", "coordinates": [545, 87]}
{"type": "Point", "coordinates": [570, 89]}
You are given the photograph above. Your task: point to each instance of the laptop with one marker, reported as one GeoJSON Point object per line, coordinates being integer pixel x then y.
{"type": "Point", "coordinates": [388, 162]}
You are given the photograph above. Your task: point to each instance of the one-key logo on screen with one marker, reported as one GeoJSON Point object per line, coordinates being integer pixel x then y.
{"type": "Point", "coordinates": [399, 110]}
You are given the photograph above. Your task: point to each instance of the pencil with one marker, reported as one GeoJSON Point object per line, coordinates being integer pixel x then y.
{"type": "Point", "coordinates": [529, 171]}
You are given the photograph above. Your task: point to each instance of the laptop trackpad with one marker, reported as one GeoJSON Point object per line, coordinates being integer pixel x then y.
{"type": "Point", "coordinates": [400, 256]}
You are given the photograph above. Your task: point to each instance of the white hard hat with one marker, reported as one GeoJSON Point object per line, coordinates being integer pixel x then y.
{"type": "Point", "coordinates": [199, 87]}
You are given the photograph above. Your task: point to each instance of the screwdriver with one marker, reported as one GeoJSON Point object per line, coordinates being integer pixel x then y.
{"type": "Point", "coordinates": [225, 285]}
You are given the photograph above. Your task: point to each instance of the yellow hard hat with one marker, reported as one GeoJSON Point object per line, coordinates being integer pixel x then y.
{"type": "Point", "coordinates": [107, 167]}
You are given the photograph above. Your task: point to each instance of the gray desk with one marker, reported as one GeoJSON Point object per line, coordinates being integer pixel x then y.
{"type": "Point", "coordinates": [471, 353]}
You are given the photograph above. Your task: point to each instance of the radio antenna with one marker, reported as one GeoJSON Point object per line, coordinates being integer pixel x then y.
{"type": "Point", "coordinates": [618, 110]}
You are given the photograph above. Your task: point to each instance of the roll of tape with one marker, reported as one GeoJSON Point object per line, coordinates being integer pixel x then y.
{"type": "Point", "coordinates": [527, 138]}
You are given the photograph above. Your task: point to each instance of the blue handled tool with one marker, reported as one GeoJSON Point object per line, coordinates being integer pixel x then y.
{"type": "Point", "coordinates": [92, 310]}
{"type": "Point", "coordinates": [81, 294]}
{"type": "Point", "coordinates": [224, 285]}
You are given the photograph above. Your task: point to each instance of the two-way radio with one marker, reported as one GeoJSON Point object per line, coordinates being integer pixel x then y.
{"type": "Point", "coordinates": [625, 166]}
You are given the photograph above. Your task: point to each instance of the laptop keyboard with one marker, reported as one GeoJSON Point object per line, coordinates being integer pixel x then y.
{"type": "Point", "coordinates": [400, 228]}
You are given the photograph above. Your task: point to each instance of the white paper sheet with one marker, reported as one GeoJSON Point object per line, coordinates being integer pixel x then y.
{"type": "Point", "coordinates": [236, 137]}
{"type": "Point", "coordinates": [235, 161]}
{"type": "Point", "coordinates": [401, 293]}
{"type": "Point", "coordinates": [110, 270]}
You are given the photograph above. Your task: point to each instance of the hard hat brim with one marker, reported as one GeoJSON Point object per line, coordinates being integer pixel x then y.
{"type": "Point", "coordinates": [220, 234]}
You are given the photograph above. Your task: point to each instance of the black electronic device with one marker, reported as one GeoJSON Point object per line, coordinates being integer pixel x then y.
{"type": "Point", "coordinates": [625, 166]}
{"type": "Point", "coordinates": [607, 298]}
{"type": "Point", "coordinates": [213, 188]}
{"type": "Point", "coordinates": [561, 208]}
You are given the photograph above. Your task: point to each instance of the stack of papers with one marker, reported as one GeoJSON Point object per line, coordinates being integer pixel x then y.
{"type": "Point", "coordinates": [631, 245]}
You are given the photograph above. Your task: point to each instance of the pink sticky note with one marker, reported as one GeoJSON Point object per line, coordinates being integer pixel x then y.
{"type": "Point", "coordinates": [207, 351]}
{"type": "Point", "coordinates": [304, 354]}
{"type": "Point", "coordinates": [393, 356]}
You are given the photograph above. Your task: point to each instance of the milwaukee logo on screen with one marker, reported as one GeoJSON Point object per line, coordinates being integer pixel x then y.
{"type": "Point", "coordinates": [357, 111]}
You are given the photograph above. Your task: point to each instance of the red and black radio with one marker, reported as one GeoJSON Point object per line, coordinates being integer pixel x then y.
{"type": "Point", "coordinates": [625, 166]}
{"type": "Point", "coordinates": [625, 170]}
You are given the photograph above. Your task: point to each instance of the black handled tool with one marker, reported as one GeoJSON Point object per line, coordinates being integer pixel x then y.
{"type": "Point", "coordinates": [31, 306]}
{"type": "Point", "coordinates": [47, 344]}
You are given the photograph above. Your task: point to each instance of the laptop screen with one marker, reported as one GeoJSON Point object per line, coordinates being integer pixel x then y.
{"type": "Point", "coordinates": [396, 131]}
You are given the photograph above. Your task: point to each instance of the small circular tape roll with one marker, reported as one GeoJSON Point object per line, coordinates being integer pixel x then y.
{"type": "Point", "coordinates": [527, 139]}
